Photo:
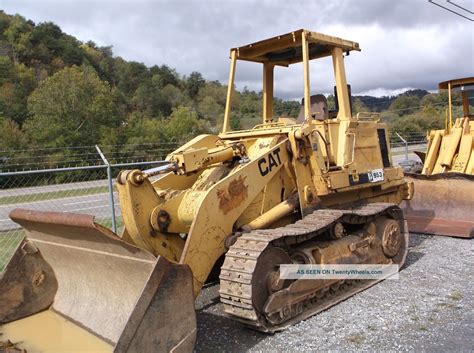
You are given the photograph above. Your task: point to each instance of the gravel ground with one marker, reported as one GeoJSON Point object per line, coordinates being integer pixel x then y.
{"type": "Point", "coordinates": [430, 308]}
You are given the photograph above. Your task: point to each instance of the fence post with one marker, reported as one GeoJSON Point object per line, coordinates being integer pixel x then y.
{"type": "Point", "coordinates": [111, 187]}
{"type": "Point", "coordinates": [406, 145]}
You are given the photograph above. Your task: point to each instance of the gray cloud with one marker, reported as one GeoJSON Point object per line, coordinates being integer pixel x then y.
{"type": "Point", "coordinates": [405, 43]}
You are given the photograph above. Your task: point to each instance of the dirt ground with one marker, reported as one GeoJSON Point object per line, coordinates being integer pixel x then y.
{"type": "Point", "coordinates": [430, 308]}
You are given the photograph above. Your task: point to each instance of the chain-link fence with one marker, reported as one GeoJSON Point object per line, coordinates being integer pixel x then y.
{"type": "Point", "coordinates": [79, 180]}
{"type": "Point", "coordinates": [406, 144]}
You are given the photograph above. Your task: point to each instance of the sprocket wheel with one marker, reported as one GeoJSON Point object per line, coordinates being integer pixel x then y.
{"type": "Point", "coordinates": [266, 278]}
{"type": "Point", "coordinates": [394, 244]}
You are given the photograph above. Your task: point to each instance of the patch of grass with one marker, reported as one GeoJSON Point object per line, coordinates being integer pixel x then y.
{"type": "Point", "coordinates": [107, 222]}
{"type": "Point", "coordinates": [423, 328]}
{"type": "Point", "coordinates": [456, 296]}
{"type": "Point", "coordinates": [414, 313]}
{"type": "Point", "coordinates": [371, 328]}
{"type": "Point", "coordinates": [44, 196]}
{"type": "Point", "coordinates": [8, 243]}
{"type": "Point", "coordinates": [356, 338]}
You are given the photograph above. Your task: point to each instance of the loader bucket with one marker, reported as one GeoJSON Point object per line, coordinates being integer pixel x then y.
{"type": "Point", "coordinates": [442, 204]}
{"type": "Point", "coordinates": [116, 291]}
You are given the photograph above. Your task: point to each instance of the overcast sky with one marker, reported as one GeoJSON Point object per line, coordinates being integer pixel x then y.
{"type": "Point", "coordinates": [405, 43]}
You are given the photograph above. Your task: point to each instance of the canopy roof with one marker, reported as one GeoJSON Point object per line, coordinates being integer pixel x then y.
{"type": "Point", "coordinates": [285, 49]}
{"type": "Point", "coordinates": [457, 82]}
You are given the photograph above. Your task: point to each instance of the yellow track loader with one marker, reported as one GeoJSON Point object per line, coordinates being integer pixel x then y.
{"type": "Point", "coordinates": [318, 190]}
{"type": "Point", "coordinates": [443, 202]}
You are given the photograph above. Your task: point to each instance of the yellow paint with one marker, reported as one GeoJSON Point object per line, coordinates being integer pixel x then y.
{"type": "Point", "coordinates": [267, 92]}
{"type": "Point", "coordinates": [230, 88]}
{"type": "Point", "coordinates": [451, 150]}
{"type": "Point", "coordinates": [307, 93]}
{"type": "Point", "coordinates": [48, 332]}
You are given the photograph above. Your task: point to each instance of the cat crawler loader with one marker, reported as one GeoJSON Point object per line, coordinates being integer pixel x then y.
{"type": "Point", "coordinates": [444, 200]}
{"type": "Point", "coordinates": [319, 190]}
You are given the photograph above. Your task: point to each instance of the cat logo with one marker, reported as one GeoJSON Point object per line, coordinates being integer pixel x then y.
{"type": "Point", "coordinates": [267, 163]}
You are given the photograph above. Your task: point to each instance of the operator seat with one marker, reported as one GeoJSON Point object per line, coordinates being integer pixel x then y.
{"type": "Point", "coordinates": [318, 108]}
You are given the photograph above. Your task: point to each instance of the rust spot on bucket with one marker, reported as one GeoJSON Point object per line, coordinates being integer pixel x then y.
{"type": "Point", "coordinates": [232, 196]}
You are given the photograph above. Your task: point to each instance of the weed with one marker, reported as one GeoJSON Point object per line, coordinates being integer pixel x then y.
{"type": "Point", "coordinates": [456, 296]}
{"type": "Point", "coordinates": [356, 338]}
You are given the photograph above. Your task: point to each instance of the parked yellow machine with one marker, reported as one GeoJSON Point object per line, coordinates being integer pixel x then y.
{"type": "Point", "coordinates": [322, 190]}
{"type": "Point", "coordinates": [443, 203]}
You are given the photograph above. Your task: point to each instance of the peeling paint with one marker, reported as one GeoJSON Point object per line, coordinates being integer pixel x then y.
{"type": "Point", "coordinates": [232, 196]}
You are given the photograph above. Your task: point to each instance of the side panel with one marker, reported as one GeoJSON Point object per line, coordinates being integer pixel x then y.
{"type": "Point", "coordinates": [222, 206]}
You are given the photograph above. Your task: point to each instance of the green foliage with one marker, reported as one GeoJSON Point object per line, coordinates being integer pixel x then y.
{"type": "Point", "coordinates": [70, 108]}
{"type": "Point", "coordinates": [358, 106]}
{"type": "Point", "coordinates": [194, 83]}
{"type": "Point", "coordinates": [405, 104]}
{"type": "Point", "coordinates": [150, 100]}
{"type": "Point", "coordinates": [6, 69]}
{"type": "Point", "coordinates": [184, 124]}
{"type": "Point", "coordinates": [209, 109]}
{"type": "Point", "coordinates": [235, 123]}
{"type": "Point", "coordinates": [164, 75]}
{"type": "Point", "coordinates": [11, 137]}
{"type": "Point", "coordinates": [286, 108]}
{"type": "Point", "coordinates": [16, 83]}
{"type": "Point", "coordinates": [143, 129]}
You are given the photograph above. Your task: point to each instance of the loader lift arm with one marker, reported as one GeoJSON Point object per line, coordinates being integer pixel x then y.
{"type": "Point", "coordinates": [212, 221]}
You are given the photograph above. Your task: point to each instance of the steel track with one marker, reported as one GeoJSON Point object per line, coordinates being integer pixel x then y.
{"type": "Point", "coordinates": [236, 276]}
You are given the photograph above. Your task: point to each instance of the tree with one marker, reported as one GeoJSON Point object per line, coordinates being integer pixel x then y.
{"type": "Point", "coordinates": [358, 106]}
{"type": "Point", "coordinates": [7, 69]}
{"type": "Point", "coordinates": [142, 129]}
{"type": "Point", "coordinates": [194, 83]}
{"type": "Point", "coordinates": [183, 124]}
{"type": "Point", "coordinates": [150, 100]}
{"type": "Point", "coordinates": [286, 108]}
{"type": "Point", "coordinates": [164, 75]}
{"type": "Point", "coordinates": [17, 26]}
{"type": "Point", "coordinates": [215, 90]}
{"type": "Point", "coordinates": [405, 105]}
{"type": "Point", "coordinates": [210, 110]}
{"type": "Point", "coordinates": [11, 137]}
{"type": "Point", "coordinates": [130, 75]}
{"type": "Point", "coordinates": [11, 102]}
{"type": "Point", "coordinates": [16, 83]}
{"type": "Point", "coordinates": [4, 22]}
{"type": "Point", "coordinates": [70, 108]}
{"type": "Point", "coordinates": [176, 96]}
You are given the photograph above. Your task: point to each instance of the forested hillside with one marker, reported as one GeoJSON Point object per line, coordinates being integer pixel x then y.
{"type": "Point", "coordinates": [57, 91]}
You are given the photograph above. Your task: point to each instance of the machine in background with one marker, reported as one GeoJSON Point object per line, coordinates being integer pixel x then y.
{"type": "Point", "coordinates": [443, 202]}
